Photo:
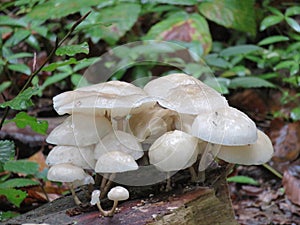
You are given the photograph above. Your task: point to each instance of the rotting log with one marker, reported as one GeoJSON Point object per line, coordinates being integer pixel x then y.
{"type": "Point", "coordinates": [194, 205]}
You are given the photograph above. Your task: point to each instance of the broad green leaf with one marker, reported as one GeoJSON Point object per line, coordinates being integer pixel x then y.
{"type": "Point", "coordinates": [294, 69]}
{"type": "Point", "coordinates": [273, 39]}
{"type": "Point", "coordinates": [176, 2]}
{"type": "Point", "coordinates": [242, 180]}
{"type": "Point", "coordinates": [250, 82]}
{"type": "Point", "coordinates": [55, 9]}
{"type": "Point", "coordinates": [182, 27]}
{"type": "Point", "coordinates": [4, 85]}
{"type": "Point", "coordinates": [9, 21]}
{"type": "Point", "coordinates": [18, 182]}
{"type": "Point", "coordinates": [54, 79]}
{"type": "Point", "coordinates": [79, 81]}
{"type": "Point", "coordinates": [236, 14]}
{"type": "Point", "coordinates": [274, 11]}
{"type": "Point", "coordinates": [14, 196]}
{"type": "Point", "coordinates": [293, 24]}
{"type": "Point", "coordinates": [71, 50]}
{"type": "Point", "coordinates": [284, 65]}
{"type": "Point", "coordinates": [215, 60]}
{"type": "Point", "coordinates": [84, 63]}
{"type": "Point", "coordinates": [292, 11]}
{"type": "Point", "coordinates": [19, 55]}
{"type": "Point", "coordinates": [17, 37]}
{"type": "Point", "coordinates": [270, 21]}
{"type": "Point", "coordinates": [22, 101]}
{"type": "Point", "coordinates": [22, 120]}
{"type": "Point", "coordinates": [53, 66]}
{"type": "Point", "coordinates": [22, 166]}
{"type": "Point", "coordinates": [21, 68]}
{"type": "Point", "coordinates": [238, 50]}
{"type": "Point", "coordinates": [7, 152]}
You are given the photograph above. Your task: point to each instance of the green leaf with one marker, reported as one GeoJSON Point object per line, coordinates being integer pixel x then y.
{"type": "Point", "coordinates": [17, 37]}
{"type": "Point", "coordinates": [284, 65]}
{"type": "Point", "coordinates": [55, 9]}
{"type": "Point", "coordinates": [214, 60]}
{"type": "Point", "coordinates": [18, 182]}
{"type": "Point", "coordinates": [7, 215]}
{"type": "Point", "coordinates": [293, 24]}
{"type": "Point", "coordinates": [72, 50]}
{"type": "Point", "coordinates": [9, 21]}
{"type": "Point", "coordinates": [19, 55]}
{"type": "Point", "coordinates": [53, 66]}
{"type": "Point", "coordinates": [295, 114]}
{"type": "Point", "coordinates": [242, 180]}
{"type": "Point", "coordinates": [238, 50]}
{"type": "Point", "coordinates": [176, 2]}
{"type": "Point", "coordinates": [14, 196]}
{"type": "Point", "coordinates": [270, 21]}
{"type": "Point", "coordinates": [182, 27]}
{"type": "Point", "coordinates": [273, 39]}
{"type": "Point", "coordinates": [22, 120]}
{"type": "Point", "coordinates": [22, 166]}
{"type": "Point", "coordinates": [79, 81]}
{"type": "Point", "coordinates": [292, 11]}
{"type": "Point", "coordinates": [294, 69]}
{"type": "Point", "coordinates": [22, 100]}
{"type": "Point", "coordinates": [22, 68]}
{"type": "Point", "coordinates": [7, 152]}
{"type": "Point", "coordinates": [250, 82]}
{"type": "Point", "coordinates": [120, 18]}
{"type": "Point", "coordinates": [4, 85]}
{"type": "Point", "coordinates": [239, 15]}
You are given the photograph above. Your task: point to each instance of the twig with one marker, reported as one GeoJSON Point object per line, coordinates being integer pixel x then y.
{"type": "Point", "coordinates": [36, 72]}
{"type": "Point", "coordinates": [272, 170]}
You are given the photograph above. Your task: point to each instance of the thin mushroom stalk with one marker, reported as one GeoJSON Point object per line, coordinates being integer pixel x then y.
{"type": "Point", "coordinates": [75, 197]}
{"type": "Point", "coordinates": [116, 194]}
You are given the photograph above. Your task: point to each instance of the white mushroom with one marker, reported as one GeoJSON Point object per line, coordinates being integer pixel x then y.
{"type": "Point", "coordinates": [116, 194]}
{"type": "Point", "coordinates": [119, 141]}
{"type": "Point", "coordinates": [173, 151]}
{"type": "Point", "coordinates": [185, 94]}
{"type": "Point", "coordinates": [252, 154]}
{"type": "Point", "coordinates": [80, 130]}
{"type": "Point", "coordinates": [78, 156]}
{"type": "Point", "coordinates": [69, 174]}
{"type": "Point", "coordinates": [226, 126]}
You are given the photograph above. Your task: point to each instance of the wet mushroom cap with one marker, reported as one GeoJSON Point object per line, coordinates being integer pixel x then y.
{"type": "Point", "coordinates": [115, 162]}
{"type": "Point", "coordinates": [78, 156]}
{"type": "Point", "coordinates": [80, 129]}
{"type": "Point", "coordinates": [175, 150]}
{"type": "Point", "coordinates": [252, 154]}
{"type": "Point", "coordinates": [118, 193]}
{"type": "Point", "coordinates": [226, 126]}
{"type": "Point", "coordinates": [185, 94]}
{"type": "Point", "coordinates": [66, 172]}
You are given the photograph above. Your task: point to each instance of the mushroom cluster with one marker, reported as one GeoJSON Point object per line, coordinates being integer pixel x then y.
{"type": "Point", "coordinates": [173, 123]}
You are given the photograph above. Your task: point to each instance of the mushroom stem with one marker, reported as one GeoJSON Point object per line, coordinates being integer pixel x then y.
{"type": "Point", "coordinates": [107, 185]}
{"type": "Point", "coordinates": [168, 185]}
{"type": "Point", "coordinates": [102, 211]}
{"type": "Point", "coordinates": [113, 209]}
{"type": "Point", "coordinates": [194, 176]}
{"type": "Point", "coordinates": [75, 197]}
{"type": "Point", "coordinates": [120, 122]}
{"type": "Point", "coordinates": [103, 182]}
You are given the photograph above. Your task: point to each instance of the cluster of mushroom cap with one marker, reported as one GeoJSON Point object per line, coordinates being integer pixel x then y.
{"type": "Point", "coordinates": [113, 124]}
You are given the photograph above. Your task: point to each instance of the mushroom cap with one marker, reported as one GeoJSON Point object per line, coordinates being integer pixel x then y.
{"type": "Point", "coordinates": [151, 123]}
{"type": "Point", "coordinates": [95, 197]}
{"type": "Point", "coordinates": [225, 126]}
{"type": "Point", "coordinates": [87, 180]}
{"type": "Point", "coordinates": [78, 156]}
{"type": "Point", "coordinates": [184, 122]}
{"type": "Point", "coordinates": [175, 150]}
{"type": "Point", "coordinates": [115, 162]}
{"type": "Point", "coordinates": [119, 141]}
{"type": "Point", "coordinates": [185, 94]}
{"type": "Point", "coordinates": [101, 98]}
{"type": "Point", "coordinates": [65, 172]}
{"type": "Point", "coordinates": [252, 154]}
{"type": "Point", "coordinates": [118, 193]}
{"type": "Point", "coordinates": [80, 129]}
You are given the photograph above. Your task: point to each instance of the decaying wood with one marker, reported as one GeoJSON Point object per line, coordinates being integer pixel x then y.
{"type": "Point", "coordinates": [192, 205]}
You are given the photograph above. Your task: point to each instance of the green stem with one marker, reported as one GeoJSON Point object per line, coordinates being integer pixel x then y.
{"type": "Point", "coordinates": [272, 170]}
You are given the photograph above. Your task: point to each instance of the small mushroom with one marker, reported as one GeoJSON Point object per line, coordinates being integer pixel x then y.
{"type": "Point", "coordinates": [79, 156]}
{"type": "Point", "coordinates": [80, 130]}
{"type": "Point", "coordinates": [251, 154]}
{"type": "Point", "coordinates": [173, 151]}
{"type": "Point", "coordinates": [69, 174]}
{"type": "Point", "coordinates": [116, 194]}
{"type": "Point", "coordinates": [111, 163]}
